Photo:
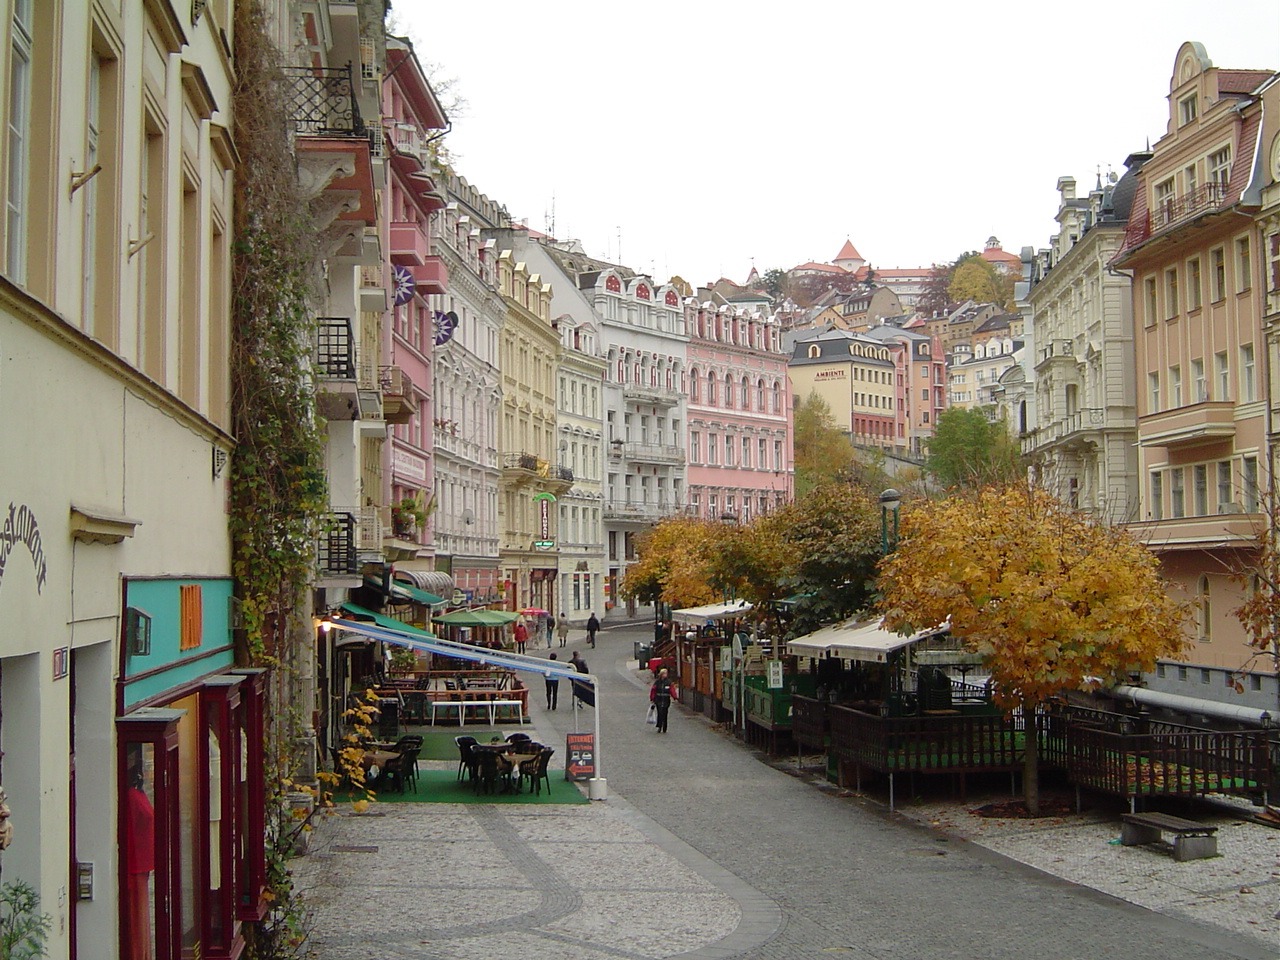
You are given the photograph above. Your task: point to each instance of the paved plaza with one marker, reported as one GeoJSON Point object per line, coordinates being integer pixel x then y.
{"type": "Point", "coordinates": [704, 851]}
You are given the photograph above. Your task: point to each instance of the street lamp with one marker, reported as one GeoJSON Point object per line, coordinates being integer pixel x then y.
{"type": "Point", "coordinates": [890, 500]}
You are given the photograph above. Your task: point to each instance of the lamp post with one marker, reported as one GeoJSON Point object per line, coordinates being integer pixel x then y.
{"type": "Point", "coordinates": [890, 500]}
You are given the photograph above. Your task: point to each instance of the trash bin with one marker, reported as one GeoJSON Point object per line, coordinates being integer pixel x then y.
{"type": "Point", "coordinates": [641, 651]}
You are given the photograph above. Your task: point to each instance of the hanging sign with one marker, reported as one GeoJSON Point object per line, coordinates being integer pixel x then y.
{"type": "Point", "coordinates": [445, 324]}
{"type": "Point", "coordinates": [405, 285]}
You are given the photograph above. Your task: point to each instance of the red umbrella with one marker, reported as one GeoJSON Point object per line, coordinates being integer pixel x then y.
{"type": "Point", "coordinates": [534, 612]}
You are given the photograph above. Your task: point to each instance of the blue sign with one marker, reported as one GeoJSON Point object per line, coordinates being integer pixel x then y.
{"type": "Point", "coordinates": [405, 285]}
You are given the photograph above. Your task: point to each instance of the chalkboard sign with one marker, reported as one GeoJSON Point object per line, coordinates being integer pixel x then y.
{"type": "Point", "coordinates": [580, 754]}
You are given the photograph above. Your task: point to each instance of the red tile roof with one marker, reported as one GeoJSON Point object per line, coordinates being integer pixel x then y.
{"type": "Point", "coordinates": [847, 252]}
{"type": "Point", "coordinates": [1241, 81]}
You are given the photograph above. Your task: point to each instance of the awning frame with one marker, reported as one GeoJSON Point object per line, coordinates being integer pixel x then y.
{"type": "Point", "coordinates": [499, 658]}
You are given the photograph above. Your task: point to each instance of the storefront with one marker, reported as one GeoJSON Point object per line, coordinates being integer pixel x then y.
{"type": "Point", "coordinates": [191, 779]}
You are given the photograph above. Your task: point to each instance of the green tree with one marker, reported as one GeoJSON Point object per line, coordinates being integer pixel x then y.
{"type": "Point", "coordinates": [822, 450]}
{"type": "Point", "coordinates": [834, 533]}
{"type": "Point", "coordinates": [774, 282]}
{"type": "Point", "coordinates": [1049, 597]}
{"type": "Point", "coordinates": [968, 450]}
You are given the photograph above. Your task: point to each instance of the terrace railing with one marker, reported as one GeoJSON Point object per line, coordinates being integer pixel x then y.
{"type": "Point", "coordinates": [323, 103]}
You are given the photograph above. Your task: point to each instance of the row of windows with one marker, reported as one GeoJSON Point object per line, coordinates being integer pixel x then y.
{"type": "Point", "coordinates": [716, 445]}
{"type": "Point", "coordinates": [744, 393]}
{"type": "Point", "coordinates": [1166, 299]}
{"type": "Point", "coordinates": [1167, 393]}
{"type": "Point", "coordinates": [1168, 489]}
{"type": "Point", "coordinates": [719, 506]}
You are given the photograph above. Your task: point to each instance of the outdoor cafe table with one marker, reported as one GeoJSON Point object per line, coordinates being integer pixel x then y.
{"type": "Point", "coordinates": [507, 753]}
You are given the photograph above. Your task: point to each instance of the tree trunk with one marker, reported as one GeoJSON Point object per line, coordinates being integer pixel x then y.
{"type": "Point", "coordinates": [1030, 761]}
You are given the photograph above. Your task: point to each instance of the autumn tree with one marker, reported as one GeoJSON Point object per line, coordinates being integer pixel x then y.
{"type": "Point", "coordinates": [934, 297]}
{"type": "Point", "coordinates": [774, 282]}
{"type": "Point", "coordinates": [1048, 596]}
{"type": "Point", "coordinates": [674, 563]}
{"type": "Point", "coordinates": [968, 450]}
{"type": "Point", "coordinates": [822, 449]}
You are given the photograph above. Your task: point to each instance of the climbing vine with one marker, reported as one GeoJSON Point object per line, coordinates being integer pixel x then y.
{"type": "Point", "coordinates": [278, 489]}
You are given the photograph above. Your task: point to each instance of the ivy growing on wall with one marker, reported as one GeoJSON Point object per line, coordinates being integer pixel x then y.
{"type": "Point", "coordinates": [278, 489]}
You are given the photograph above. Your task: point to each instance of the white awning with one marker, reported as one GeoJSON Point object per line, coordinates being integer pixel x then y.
{"type": "Point", "coordinates": [866, 641]}
{"type": "Point", "coordinates": [712, 611]}
{"type": "Point", "coordinates": [432, 581]}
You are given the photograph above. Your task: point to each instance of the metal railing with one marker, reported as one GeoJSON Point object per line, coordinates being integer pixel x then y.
{"type": "Point", "coordinates": [1171, 211]}
{"type": "Point", "coordinates": [335, 348]}
{"type": "Point", "coordinates": [336, 553]}
{"type": "Point", "coordinates": [323, 102]}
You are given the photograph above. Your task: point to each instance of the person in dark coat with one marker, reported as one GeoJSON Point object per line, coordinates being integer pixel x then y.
{"type": "Point", "coordinates": [553, 689]}
{"type": "Point", "coordinates": [593, 627]}
{"type": "Point", "coordinates": [660, 696]}
{"type": "Point", "coordinates": [582, 691]}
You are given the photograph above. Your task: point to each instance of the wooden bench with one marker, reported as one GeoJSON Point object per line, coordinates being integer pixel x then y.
{"type": "Point", "coordinates": [1191, 840]}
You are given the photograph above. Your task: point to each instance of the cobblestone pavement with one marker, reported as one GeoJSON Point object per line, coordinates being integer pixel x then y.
{"type": "Point", "coordinates": [703, 851]}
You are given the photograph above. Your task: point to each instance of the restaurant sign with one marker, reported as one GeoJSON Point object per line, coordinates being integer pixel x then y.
{"type": "Point", "coordinates": [409, 466]}
{"type": "Point", "coordinates": [580, 753]}
{"type": "Point", "coordinates": [544, 500]}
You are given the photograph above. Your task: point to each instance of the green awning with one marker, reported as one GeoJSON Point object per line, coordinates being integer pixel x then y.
{"type": "Point", "coordinates": [792, 600]}
{"type": "Point", "coordinates": [407, 591]}
{"type": "Point", "coordinates": [362, 613]}
{"type": "Point", "coordinates": [478, 617]}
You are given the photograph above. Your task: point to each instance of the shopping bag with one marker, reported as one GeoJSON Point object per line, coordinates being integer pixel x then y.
{"type": "Point", "coordinates": [652, 715]}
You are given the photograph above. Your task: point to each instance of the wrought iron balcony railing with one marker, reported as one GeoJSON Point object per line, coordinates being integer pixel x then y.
{"type": "Point", "coordinates": [323, 102]}
{"type": "Point", "coordinates": [1171, 211]}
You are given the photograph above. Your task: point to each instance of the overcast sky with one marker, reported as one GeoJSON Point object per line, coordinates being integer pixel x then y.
{"type": "Point", "coordinates": [709, 135]}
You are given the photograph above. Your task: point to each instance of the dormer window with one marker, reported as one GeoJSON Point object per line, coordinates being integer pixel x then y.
{"type": "Point", "coordinates": [814, 351]}
{"type": "Point", "coordinates": [1187, 110]}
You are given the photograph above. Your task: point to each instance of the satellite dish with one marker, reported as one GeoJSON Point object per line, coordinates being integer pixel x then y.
{"type": "Point", "coordinates": [468, 517]}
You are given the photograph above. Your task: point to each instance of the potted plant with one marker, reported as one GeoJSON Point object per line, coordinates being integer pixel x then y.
{"type": "Point", "coordinates": [403, 660]}
{"type": "Point", "coordinates": [407, 516]}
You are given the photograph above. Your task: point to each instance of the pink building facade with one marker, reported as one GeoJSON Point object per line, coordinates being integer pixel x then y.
{"type": "Point", "coordinates": [739, 412]}
{"type": "Point", "coordinates": [410, 111]}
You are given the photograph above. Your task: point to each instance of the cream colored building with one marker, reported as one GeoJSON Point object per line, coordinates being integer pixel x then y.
{"type": "Point", "coordinates": [1084, 443]}
{"type": "Point", "coordinates": [529, 355]}
{"type": "Point", "coordinates": [856, 377]}
{"type": "Point", "coordinates": [117, 169]}
{"type": "Point", "coordinates": [1193, 248]}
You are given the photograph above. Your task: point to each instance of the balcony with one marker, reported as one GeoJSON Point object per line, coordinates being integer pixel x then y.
{"type": "Point", "coordinates": [653, 453]}
{"type": "Point", "coordinates": [322, 102]}
{"type": "Point", "coordinates": [1197, 533]}
{"type": "Point", "coordinates": [336, 549]}
{"type": "Point", "coordinates": [369, 394]}
{"type": "Point", "coordinates": [409, 244]}
{"type": "Point", "coordinates": [408, 141]}
{"type": "Point", "coordinates": [369, 533]}
{"type": "Point", "coordinates": [644, 511]}
{"type": "Point", "coordinates": [1056, 350]}
{"type": "Point", "coordinates": [431, 276]}
{"type": "Point", "coordinates": [1171, 213]}
{"type": "Point", "coordinates": [1190, 426]}
{"type": "Point", "coordinates": [398, 401]}
{"type": "Point", "coordinates": [373, 289]}
{"type": "Point", "coordinates": [337, 389]}
{"type": "Point", "coordinates": [658, 396]}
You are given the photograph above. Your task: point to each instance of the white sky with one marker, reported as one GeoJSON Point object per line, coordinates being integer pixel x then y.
{"type": "Point", "coordinates": [710, 133]}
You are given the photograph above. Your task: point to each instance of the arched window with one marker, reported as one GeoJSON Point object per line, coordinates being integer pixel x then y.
{"type": "Point", "coordinates": [694, 383]}
{"type": "Point", "coordinates": [760, 395]}
{"type": "Point", "coordinates": [711, 386]}
{"type": "Point", "coordinates": [777, 397]}
{"type": "Point", "coordinates": [746, 394]}
{"type": "Point", "coordinates": [814, 351]}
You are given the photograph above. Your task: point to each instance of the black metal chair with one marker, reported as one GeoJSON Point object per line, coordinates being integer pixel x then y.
{"type": "Point", "coordinates": [487, 771]}
{"type": "Point", "coordinates": [518, 738]}
{"type": "Point", "coordinates": [401, 769]}
{"type": "Point", "coordinates": [536, 769]}
{"type": "Point", "coordinates": [466, 759]}
{"type": "Point", "coordinates": [406, 742]}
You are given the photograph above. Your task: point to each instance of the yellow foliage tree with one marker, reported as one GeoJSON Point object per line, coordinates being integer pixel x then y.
{"type": "Point", "coordinates": [1047, 596]}
{"type": "Point", "coordinates": [674, 563]}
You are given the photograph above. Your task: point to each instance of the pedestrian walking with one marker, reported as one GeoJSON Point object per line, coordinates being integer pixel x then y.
{"type": "Point", "coordinates": [593, 627]}
{"type": "Point", "coordinates": [553, 689]}
{"type": "Point", "coordinates": [660, 696]}
{"type": "Point", "coordinates": [580, 690]}
{"type": "Point", "coordinates": [562, 630]}
{"type": "Point", "coordinates": [522, 635]}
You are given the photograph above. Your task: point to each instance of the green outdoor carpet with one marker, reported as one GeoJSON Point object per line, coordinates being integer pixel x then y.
{"type": "Point", "coordinates": [443, 786]}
